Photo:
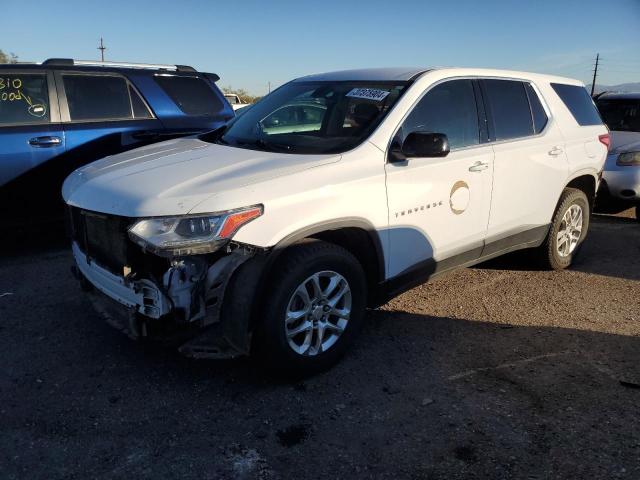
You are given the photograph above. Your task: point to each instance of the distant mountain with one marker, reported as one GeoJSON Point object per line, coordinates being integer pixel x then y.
{"type": "Point", "coordinates": [623, 87]}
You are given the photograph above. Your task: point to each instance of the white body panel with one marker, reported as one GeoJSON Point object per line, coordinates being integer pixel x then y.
{"type": "Point", "coordinates": [519, 189]}
{"type": "Point", "coordinates": [421, 195]}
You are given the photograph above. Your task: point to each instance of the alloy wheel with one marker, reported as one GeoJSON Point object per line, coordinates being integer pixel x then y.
{"type": "Point", "coordinates": [318, 313]}
{"type": "Point", "coordinates": [570, 231]}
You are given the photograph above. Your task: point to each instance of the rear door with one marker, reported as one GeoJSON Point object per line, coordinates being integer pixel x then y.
{"type": "Point", "coordinates": [530, 166]}
{"type": "Point", "coordinates": [30, 130]}
{"type": "Point", "coordinates": [103, 114]}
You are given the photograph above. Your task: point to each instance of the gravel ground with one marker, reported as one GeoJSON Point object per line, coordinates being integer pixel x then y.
{"type": "Point", "coordinates": [492, 372]}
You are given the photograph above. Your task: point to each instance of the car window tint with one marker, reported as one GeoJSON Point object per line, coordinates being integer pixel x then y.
{"type": "Point", "coordinates": [140, 109]}
{"type": "Point", "coordinates": [622, 115]}
{"type": "Point", "coordinates": [579, 103]}
{"type": "Point", "coordinates": [24, 98]}
{"type": "Point", "coordinates": [509, 107]}
{"type": "Point", "coordinates": [99, 97]}
{"type": "Point", "coordinates": [448, 108]}
{"type": "Point", "coordinates": [191, 94]}
{"type": "Point", "coordinates": [540, 118]}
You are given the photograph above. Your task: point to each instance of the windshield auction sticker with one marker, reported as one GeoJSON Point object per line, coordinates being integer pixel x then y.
{"type": "Point", "coordinates": [368, 93]}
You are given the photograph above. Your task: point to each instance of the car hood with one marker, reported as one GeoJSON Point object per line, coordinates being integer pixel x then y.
{"type": "Point", "coordinates": [172, 177]}
{"type": "Point", "coordinates": [625, 142]}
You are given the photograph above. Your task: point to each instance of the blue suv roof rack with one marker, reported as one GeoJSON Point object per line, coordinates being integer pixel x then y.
{"type": "Point", "coordinates": [69, 62]}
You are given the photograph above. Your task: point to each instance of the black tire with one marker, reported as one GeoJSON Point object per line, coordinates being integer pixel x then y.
{"type": "Point", "coordinates": [547, 254]}
{"type": "Point", "coordinates": [298, 263]}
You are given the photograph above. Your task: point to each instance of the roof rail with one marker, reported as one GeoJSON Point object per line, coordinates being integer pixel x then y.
{"type": "Point", "coordinates": [67, 62]}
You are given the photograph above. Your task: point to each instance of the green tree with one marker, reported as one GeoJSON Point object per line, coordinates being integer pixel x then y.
{"type": "Point", "coordinates": [245, 96]}
{"type": "Point", "coordinates": [8, 58]}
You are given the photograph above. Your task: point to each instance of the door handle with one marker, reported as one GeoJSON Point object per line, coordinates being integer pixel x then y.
{"type": "Point", "coordinates": [478, 167]}
{"type": "Point", "coordinates": [555, 151]}
{"type": "Point", "coordinates": [45, 141]}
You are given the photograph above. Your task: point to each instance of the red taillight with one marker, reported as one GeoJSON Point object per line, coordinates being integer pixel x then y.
{"type": "Point", "coordinates": [605, 139]}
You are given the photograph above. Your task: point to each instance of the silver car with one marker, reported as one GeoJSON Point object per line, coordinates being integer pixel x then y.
{"type": "Point", "coordinates": [620, 188]}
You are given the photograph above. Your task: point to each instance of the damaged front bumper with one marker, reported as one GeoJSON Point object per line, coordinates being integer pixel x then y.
{"type": "Point", "coordinates": [195, 306]}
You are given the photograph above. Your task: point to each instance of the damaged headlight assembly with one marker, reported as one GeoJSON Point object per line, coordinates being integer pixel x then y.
{"type": "Point", "coordinates": [191, 234]}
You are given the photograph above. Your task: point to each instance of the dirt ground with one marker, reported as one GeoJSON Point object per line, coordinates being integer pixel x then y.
{"type": "Point", "coordinates": [497, 372]}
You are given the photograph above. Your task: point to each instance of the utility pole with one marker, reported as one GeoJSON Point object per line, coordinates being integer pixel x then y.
{"type": "Point", "coordinates": [595, 74]}
{"type": "Point", "coordinates": [269, 87]}
{"type": "Point", "coordinates": [102, 48]}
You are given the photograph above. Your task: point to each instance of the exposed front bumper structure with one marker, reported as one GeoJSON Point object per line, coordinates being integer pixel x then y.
{"type": "Point", "coordinates": [186, 310]}
{"type": "Point", "coordinates": [141, 296]}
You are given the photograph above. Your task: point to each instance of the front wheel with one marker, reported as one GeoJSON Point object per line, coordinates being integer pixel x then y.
{"type": "Point", "coordinates": [313, 309]}
{"type": "Point", "coordinates": [568, 230]}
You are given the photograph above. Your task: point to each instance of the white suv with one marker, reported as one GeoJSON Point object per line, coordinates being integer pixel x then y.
{"type": "Point", "coordinates": [253, 238]}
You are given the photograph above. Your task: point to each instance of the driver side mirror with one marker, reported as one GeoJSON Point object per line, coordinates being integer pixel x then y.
{"type": "Point", "coordinates": [420, 144]}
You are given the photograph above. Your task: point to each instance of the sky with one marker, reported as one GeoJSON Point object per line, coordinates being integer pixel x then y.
{"type": "Point", "coordinates": [253, 43]}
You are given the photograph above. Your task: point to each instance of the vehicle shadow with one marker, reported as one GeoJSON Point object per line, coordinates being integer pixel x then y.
{"type": "Point", "coordinates": [612, 249]}
{"type": "Point", "coordinates": [418, 396]}
{"type": "Point", "coordinates": [34, 240]}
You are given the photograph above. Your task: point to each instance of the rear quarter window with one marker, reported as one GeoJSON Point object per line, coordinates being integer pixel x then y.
{"type": "Point", "coordinates": [192, 95]}
{"type": "Point", "coordinates": [579, 103]}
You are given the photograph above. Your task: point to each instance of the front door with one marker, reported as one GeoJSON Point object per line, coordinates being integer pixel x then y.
{"type": "Point", "coordinates": [439, 207]}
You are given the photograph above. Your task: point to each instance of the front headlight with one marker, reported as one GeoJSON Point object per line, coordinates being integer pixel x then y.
{"type": "Point", "coordinates": [628, 159]}
{"type": "Point", "coordinates": [190, 234]}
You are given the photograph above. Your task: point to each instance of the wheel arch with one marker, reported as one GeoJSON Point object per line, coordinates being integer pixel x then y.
{"type": "Point", "coordinates": [352, 234]}
{"type": "Point", "coordinates": [586, 182]}
{"type": "Point", "coordinates": [349, 233]}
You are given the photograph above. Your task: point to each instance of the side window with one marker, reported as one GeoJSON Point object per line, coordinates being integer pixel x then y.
{"type": "Point", "coordinates": [579, 103]}
{"type": "Point", "coordinates": [99, 97]}
{"type": "Point", "coordinates": [286, 116]}
{"type": "Point", "coordinates": [448, 108]}
{"type": "Point", "coordinates": [140, 110]}
{"type": "Point", "coordinates": [509, 106]}
{"type": "Point", "coordinates": [294, 118]}
{"type": "Point", "coordinates": [24, 98]}
{"type": "Point", "coordinates": [192, 95]}
{"type": "Point", "coordinates": [312, 115]}
{"type": "Point", "coordinates": [540, 118]}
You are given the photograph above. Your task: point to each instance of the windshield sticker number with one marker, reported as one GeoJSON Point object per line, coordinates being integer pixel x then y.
{"type": "Point", "coordinates": [368, 94]}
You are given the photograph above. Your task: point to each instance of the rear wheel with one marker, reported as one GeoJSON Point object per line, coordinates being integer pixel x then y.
{"type": "Point", "coordinates": [568, 230]}
{"type": "Point", "coordinates": [314, 309]}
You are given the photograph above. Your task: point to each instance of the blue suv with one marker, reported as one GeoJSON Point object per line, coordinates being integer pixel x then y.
{"type": "Point", "coordinates": [61, 114]}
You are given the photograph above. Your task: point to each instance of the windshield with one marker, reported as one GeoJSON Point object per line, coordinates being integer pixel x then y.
{"type": "Point", "coordinates": [313, 117]}
{"type": "Point", "coordinates": [621, 114]}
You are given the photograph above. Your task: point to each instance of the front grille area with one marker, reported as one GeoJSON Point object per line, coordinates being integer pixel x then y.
{"type": "Point", "coordinates": [103, 238]}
